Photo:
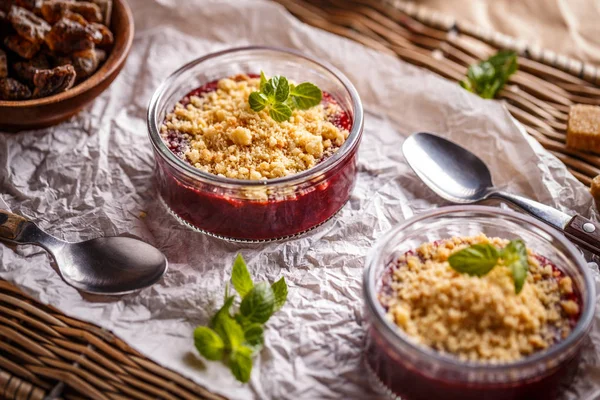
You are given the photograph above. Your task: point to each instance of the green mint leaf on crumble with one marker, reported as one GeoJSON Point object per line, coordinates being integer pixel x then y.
{"type": "Point", "coordinates": [259, 304]}
{"type": "Point", "coordinates": [240, 277]}
{"type": "Point", "coordinates": [280, 293]}
{"type": "Point", "coordinates": [258, 101]}
{"type": "Point", "coordinates": [306, 95]}
{"type": "Point", "coordinates": [488, 77]}
{"type": "Point", "coordinates": [280, 112]}
{"type": "Point", "coordinates": [240, 363]}
{"type": "Point", "coordinates": [280, 97]}
{"type": "Point", "coordinates": [515, 258]}
{"type": "Point", "coordinates": [263, 81]}
{"type": "Point", "coordinates": [208, 343]}
{"type": "Point", "coordinates": [477, 260]}
{"type": "Point", "coordinates": [282, 88]}
{"type": "Point", "coordinates": [233, 336]}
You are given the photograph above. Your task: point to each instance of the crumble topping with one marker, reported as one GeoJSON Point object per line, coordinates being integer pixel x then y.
{"type": "Point", "coordinates": [229, 139]}
{"type": "Point", "coordinates": [477, 318]}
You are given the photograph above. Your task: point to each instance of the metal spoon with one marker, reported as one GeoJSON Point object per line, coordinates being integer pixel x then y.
{"type": "Point", "coordinates": [459, 176]}
{"type": "Point", "coordinates": [106, 265]}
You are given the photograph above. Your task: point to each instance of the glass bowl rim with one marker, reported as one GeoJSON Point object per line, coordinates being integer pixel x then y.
{"type": "Point", "coordinates": [301, 177]}
{"type": "Point", "coordinates": [392, 335]}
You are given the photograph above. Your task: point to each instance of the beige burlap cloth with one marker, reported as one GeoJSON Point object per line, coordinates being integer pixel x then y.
{"type": "Point", "coordinates": [569, 27]}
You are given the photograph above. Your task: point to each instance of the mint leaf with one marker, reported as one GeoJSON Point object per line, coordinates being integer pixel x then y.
{"type": "Point", "coordinates": [230, 332]}
{"type": "Point", "coordinates": [240, 277]}
{"type": "Point", "coordinates": [280, 97]}
{"type": "Point", "coordinates": [477, 260]}
{"type": "Point", "coordinates": [263, 81]}
{"type": "Point", "coordinates": [224, 310]}
{"type": "Point", "coordinates": [282, 89]}
{"type": "Point", "coordinates": [306, 95]}
{"type": "Point", "coordinates": [515, 258]}
{"type": "Point", "coordinates": [280, 112]}
{"type": "Point", "coordinates": [208, 343]}
{"type": "Point", "coordinates": [280, 293]}
{"type": "Point", "coordinates": [240, 363]}
{"type": "Point", "coordinates": [253, 335]}
{"type": "Point", "coordinates": [259, 304]}
{"type": "Point", "coordinates": [488, 77]}
{"type": "Point", "coordinates": [257, 101]}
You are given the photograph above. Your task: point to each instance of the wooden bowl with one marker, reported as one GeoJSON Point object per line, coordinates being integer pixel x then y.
{"type": "Point", "coordinates": [46, 111]}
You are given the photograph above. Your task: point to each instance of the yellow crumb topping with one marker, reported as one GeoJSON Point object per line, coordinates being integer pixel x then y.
{"type": "Point", "coordinates": [477, 318]}
{"type": "Point", "coordinates": [229, 139]}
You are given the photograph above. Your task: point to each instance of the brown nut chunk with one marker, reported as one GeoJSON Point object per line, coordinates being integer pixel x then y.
{"type": "Point", "coordinates": [25, 70]}
{"type": "Point", "coordinates": [105, 8]}
{"type": "Point", "coordinates": [51, 81]}
{"type": "Point", "coordinates": [85, 63]}
{"type": "Point", "coordinates": [12, 89]}
{"type": "Point", "coordinates": [3, 64]}
{"type": "Point", "coordinates": [102, 35]}
{"type": "Point", "coordinates": [28, 25]}
{"type": "Point", "coordinates": [68, 36]}
{"type": "Point", "coordinates": [22, 47]}
{"type": "Point", "coordinates": [53, 10]}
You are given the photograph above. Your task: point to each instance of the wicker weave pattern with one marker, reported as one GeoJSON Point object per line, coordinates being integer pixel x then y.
{"type": "Point", "coordinates": [44, 353]}
{"type": "Point", "coordinates": [538, 95]}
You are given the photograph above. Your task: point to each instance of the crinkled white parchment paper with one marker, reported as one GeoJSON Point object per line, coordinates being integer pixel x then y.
{"type": "Point", "coordinates": [92, 176]}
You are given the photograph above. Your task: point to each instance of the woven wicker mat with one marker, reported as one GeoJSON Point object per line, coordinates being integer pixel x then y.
{"type": "Point", "coordinates": [538, 95]}
{"type": "Point", "coordinates": [44, 353]}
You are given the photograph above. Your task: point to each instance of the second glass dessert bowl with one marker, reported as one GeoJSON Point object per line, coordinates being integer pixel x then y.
{"type": "Point", "coordinates": [255, 210]}
{"type": "Point", "coordinates": [410, 371]}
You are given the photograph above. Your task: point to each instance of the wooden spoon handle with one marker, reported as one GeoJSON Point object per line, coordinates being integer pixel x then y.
{"type": "Point", "coordinates": [585, 233]}
{"type": "Point", "coordinates": [10, 224]}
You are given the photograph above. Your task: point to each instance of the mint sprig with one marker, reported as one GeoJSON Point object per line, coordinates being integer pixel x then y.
{"type": "Point", "coordinates": [489, 76]}
{"type": "Point", "coordinates": [234, 338]}
{"type": "Point", "coordinates": [480, 259]}
{"type": "Point", "coordinates": [280, 97]}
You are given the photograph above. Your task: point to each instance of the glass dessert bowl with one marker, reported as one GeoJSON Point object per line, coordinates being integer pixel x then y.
{"type": "Point", "coordinates": [407, 356]}
{"type": "Point", "coordinates": [211, 198]}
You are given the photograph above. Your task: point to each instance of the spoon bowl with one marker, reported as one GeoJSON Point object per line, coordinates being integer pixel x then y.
{"type": "Point", "coordinates": [448, 169]}
{"type": "Point", "coordinates": [459, 176]}
{"type": "Point", "coordinates": [107, 265]}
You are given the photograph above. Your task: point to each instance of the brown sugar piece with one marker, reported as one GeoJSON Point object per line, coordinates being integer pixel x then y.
{"type": "Point", "coordinates": [28, 25]}
{"type": "Point", "coordinates": [12, 89]}
{"type": "Point", "coordinates": [51, 81]}
{"type": "Point", "coordinates": [68, 36]}
{"type": "Point", "coordinates": [53, 10]}
{"type": "Point", "coordinates": [595, 190]}
{"type": "Point", "coordinates": [22, 47]}
{"type": "Point", "coordinates": [3, 64]}
{"type": "Point", "coordinates": [583, 128]}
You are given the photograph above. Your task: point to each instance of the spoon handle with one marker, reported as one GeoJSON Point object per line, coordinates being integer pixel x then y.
{"type": "Point", "coordinates": [550, 215]}
{"type": "Point", "coordinates": [580, 230]}
{"type": "Point", "coordinates": [10, 225]}
{"type": "Point", "coordinates": [584, 233]}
